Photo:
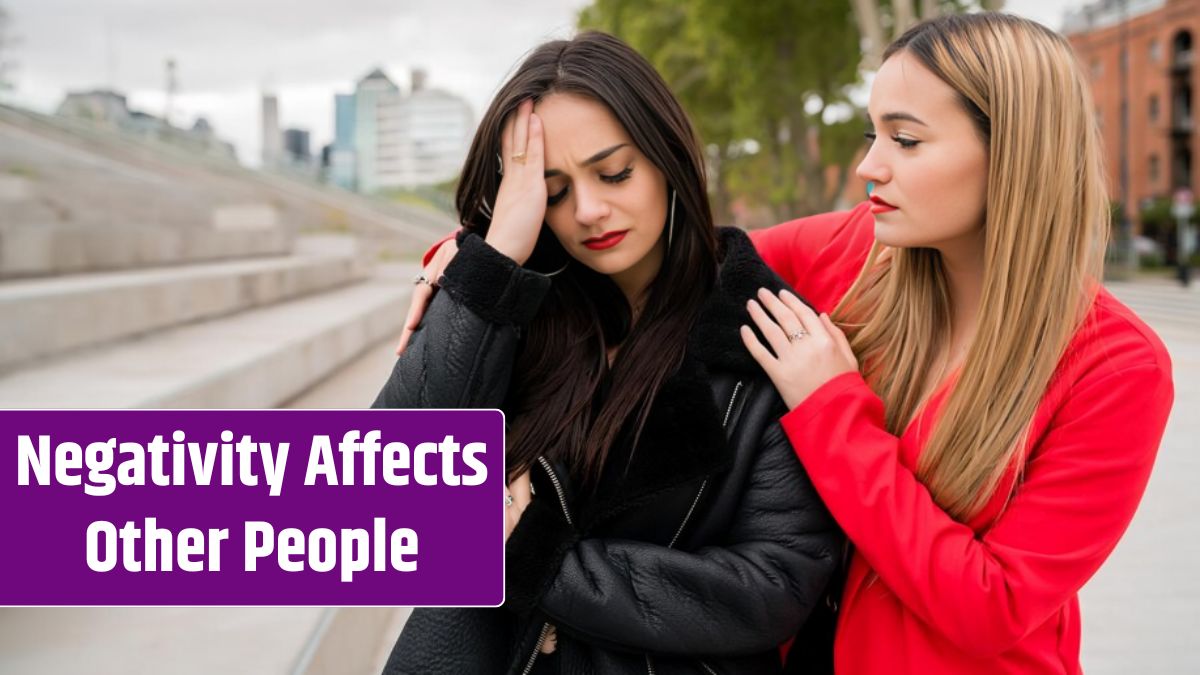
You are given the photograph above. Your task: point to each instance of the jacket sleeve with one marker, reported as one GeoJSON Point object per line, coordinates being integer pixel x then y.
{"type": "Point", "coordinates": [984, 592]}
{"type": "Point", "coordinates": [462, 354]}
{"type": "Point", "coordinates": [746, 596]}
{"type": "Point", "coordinates": [819, 256]}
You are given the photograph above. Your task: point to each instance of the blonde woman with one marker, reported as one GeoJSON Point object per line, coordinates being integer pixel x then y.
{"type": "Point", "coordinates": [979, 415]}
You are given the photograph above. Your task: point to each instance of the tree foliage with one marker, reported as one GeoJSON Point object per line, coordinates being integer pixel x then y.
{"type": "Point", "coordinates": [768, 85]}
{"type": "Point", "coordinates": [758, 79]}
{"type": "Point", "coordinates": [881, 21]}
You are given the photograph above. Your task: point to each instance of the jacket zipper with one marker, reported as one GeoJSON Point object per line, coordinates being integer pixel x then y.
{"type": "Point", "coordinates": [562, 501]}
{"type": "Point", "coordinates": [699, 493]}
{"type": "Point", "coordinates": [724, 424]}
{"type": "Point", "coordinates": [732, 398]}
{"type": "Point", "coordinates": [688, 517]}
{"type": "Point", "coordinates": [537, 648]}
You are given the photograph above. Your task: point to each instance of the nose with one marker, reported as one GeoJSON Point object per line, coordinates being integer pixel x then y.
{"type": "Point", "coordinates": [874, 167]}
{"type": "Point", "coordinates": [590, 206]}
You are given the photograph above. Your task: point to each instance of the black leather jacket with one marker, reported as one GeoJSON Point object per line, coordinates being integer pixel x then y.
{"type": "Point", "coordinates": [706, 555]}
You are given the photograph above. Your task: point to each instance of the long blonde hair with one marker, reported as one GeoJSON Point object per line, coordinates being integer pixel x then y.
{"type": "Point", "coordinates": [1046, 227]}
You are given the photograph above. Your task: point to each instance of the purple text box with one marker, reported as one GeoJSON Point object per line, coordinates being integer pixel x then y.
{"type": "Point", "coordinates": [459, 551]}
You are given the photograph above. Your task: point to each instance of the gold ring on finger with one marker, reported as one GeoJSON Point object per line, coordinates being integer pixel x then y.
{"type": "Point", "coordinates": [519, 157]}
{"type": "Point", "coordinates": [797, 335]}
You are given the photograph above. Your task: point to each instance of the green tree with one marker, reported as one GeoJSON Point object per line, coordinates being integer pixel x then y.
{"type": "Point", "coordinates": [667, 34]}
{"type": "Point", "coordinates": [760, 80]}
{"type": "Point", "coordinates": [881, 21]}
{"type": "Point", "coordinates": [768, 84]}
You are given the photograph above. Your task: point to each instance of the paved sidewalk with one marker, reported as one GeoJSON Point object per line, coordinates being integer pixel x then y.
{"type": "Point", "coordinates": [1141, 612]}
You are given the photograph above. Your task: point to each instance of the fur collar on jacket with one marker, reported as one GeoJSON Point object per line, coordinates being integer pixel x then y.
{"type": "Point", "coordinates": [684, 438]}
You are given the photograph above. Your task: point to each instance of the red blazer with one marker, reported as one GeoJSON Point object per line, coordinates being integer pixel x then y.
{"type": "Point", "coordinates": [997, 595]}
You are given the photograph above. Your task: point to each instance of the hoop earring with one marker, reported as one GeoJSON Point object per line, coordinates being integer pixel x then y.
{"type": "Point", "coordinates": [671, 222]}
{"type": "Point", "coordinates": [559, 270]}
{"type": "Point", "coordinates": [499, 164]}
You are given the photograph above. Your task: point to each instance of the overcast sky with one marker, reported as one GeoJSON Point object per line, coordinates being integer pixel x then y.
{"type": "Point", "coordinates": [228, 51]}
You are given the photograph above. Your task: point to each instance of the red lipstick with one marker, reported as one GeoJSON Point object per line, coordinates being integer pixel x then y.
{"type": "Point", "coordinates": [605, 240]}
{"type": "Point", "coordinates": [878, 205]}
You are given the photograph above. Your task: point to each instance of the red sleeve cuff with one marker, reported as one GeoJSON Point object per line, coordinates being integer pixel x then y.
{"type": "Point", "coordinates": [436, 245]}
{"type": "Point", "coordinates": [822, 397]}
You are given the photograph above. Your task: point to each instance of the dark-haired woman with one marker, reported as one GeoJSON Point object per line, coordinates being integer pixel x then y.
{"type": "Point", "coordinates": [673, 529]}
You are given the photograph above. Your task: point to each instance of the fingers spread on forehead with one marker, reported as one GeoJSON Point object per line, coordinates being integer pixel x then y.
{"type": "Point", "coordinates": [520, 141]}
{"type": "Point", "coordinates": [535, 150]}
{"type": "Point", "coordinates": [506, 137]}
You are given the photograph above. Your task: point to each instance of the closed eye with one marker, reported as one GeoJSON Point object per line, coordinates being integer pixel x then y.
{"type": "Point", "coordinates": [618, 177]}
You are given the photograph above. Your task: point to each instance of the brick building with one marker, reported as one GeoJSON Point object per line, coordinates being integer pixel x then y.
{"type": "Point", "coordinates": [1154, 42]}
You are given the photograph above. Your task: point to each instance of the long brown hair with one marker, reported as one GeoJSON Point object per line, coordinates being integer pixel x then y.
{"type": "Point", "coordinates": [561, 365]}
{"type": "Point", "coordinates": [1045, 229]}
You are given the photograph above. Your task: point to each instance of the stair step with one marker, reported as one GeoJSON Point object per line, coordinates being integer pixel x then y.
{"type": "Point", "coordinates": [28, 250]}
{"type": "Point", "coordinates": [255, 359]}
{"type": "Point", "coordinates": [156, 640]}
{"type": "Point", "coordinates": [47, 317]}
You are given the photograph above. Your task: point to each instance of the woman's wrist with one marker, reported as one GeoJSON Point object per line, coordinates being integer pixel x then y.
{"type": "Point", "coordinates": [514, 250]}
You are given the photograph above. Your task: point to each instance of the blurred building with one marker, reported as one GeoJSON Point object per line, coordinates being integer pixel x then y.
{"type": "Point", "coordinates": [271, 138]}
{"type": "Point", "coordinates": [1152, 41]}
{"type": "Point", "coordinates": [296, 147]}
{"type": "Point", "coordinates": [109, 108]}
{"type": "Point", "coordinates": [339, 161]}
{"type": "Point", "coordinates": [373, 93]}
{"type": "Point", "coordinates": [386, 138]}
{"type": "Point", "coordinates": [426, 134]}
{"type": "Point", "coordinates": [98, 105]}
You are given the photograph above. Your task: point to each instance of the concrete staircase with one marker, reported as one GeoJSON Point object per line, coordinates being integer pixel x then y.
{"type": "Point", "coordinates": [136, 276]}
{"type": "Point", "coordinates": [198, 640]}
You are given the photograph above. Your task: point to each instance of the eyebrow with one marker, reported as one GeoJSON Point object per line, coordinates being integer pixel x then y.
{"type": "Point", "coordinates": [599, 156]}
{"type": "Point", "coordinates": [901, 117]}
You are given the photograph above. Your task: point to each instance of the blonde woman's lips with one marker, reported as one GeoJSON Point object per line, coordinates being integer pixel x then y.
{"type": "Point", "coordinates": [878, 206]}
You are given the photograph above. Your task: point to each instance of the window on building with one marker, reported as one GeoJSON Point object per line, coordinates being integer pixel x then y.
{"type": "Point", "coordinates": [1097, 69]}
{"type": "Point", "coordinates": [1152, 170]}
{"type": "Point", "coordinates": [1155, 51]}
{"type": "Point", "coordinates": [1154, 108]}
{"type": "Point", "coordinates": [1124, 61]}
